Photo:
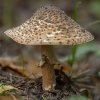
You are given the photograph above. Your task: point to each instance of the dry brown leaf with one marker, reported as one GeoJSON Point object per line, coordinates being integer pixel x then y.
{"type": "Point", "coordinates": [10, 97]}
{"type": "Point", "coordinates": [9, 65]}
{"type": "Point", "coordinates": [31, 68]}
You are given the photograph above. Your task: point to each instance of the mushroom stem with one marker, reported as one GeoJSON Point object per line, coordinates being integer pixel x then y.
{"type": "Point", "coordinates": [47, 66]}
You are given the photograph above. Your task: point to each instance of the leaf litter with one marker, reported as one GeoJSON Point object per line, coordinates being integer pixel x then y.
{"type": "Point", "coordinates": [31, 88]}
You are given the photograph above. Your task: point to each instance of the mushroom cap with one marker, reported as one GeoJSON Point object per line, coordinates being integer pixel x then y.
{"type": "Point", "coordinates": [49, 26]}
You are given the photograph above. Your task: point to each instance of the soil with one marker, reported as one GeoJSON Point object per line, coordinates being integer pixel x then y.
{"type": "Point", "coordinates": [32, 88]}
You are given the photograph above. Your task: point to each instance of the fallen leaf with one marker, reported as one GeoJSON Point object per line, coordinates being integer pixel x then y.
{"type": "Point", "coordinates": [10, 98]}
{"type": "Point", "coordinates": [4, 88]}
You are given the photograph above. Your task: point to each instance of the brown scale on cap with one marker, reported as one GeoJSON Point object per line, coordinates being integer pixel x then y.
{"type": "Point", "coordinates": [49, 26]}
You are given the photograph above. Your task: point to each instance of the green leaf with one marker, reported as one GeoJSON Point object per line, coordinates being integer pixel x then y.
{"type": "Point", "coordinates": [74, 48]}
{"type": "Point", "coordinates": [83, 49]}
{"type": "Point", "coordinates": [75, 11]}
{"type": "Point", "coordinates": [77, 98]}
{"type": "Point", "coordinates": [4, 88]}
{"type": "Point", "coordinates": [2, 84]}
{"type": "Point", "coordinates": [94, 7]}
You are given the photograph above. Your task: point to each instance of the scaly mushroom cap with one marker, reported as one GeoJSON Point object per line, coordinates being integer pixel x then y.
{"type": "Point", "coordinates": [49, 26]}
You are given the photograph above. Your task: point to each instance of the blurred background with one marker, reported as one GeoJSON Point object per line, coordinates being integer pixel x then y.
{"type": "Point", "coordinates": [15, 12]}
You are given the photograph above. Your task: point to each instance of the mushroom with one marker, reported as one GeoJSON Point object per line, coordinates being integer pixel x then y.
{"type": "Point", "coordinates": [47, 27]}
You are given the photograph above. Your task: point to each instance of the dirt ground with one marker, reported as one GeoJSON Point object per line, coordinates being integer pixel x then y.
{"type": "Point", "coordinates": [32, 88]}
